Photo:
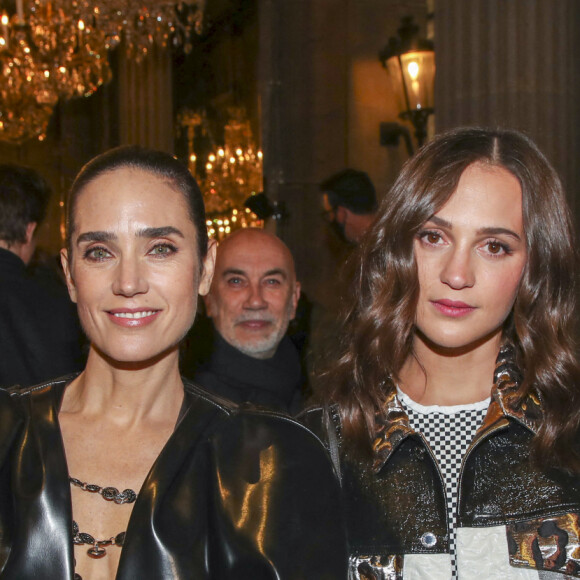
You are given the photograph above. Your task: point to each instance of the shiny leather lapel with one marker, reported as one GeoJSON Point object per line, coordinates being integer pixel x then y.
{"type": "Point", "coordinates": [142, 555]}
{"type": "Point", "coordinates": [391, 428]}
{"type": "Point", "coordinates": [41, 480]}
{"type": "Point", "coordinates": [507, 380]}
{"type": "Point", "coordinates": [392, 423]}
{"type": "Point", "coordinates": [506, 401]}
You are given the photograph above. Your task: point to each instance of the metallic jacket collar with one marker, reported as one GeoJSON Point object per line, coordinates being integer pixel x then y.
{"type": "Point", "coordinates": [392, 423]}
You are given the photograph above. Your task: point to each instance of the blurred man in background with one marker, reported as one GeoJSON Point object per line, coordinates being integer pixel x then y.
{"type": "Point", "coordinates": [350, 202]}
{"type": "Point", "coordinates": [40, 336]}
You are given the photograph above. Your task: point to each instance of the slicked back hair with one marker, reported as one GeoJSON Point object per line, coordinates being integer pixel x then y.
{"type": "Point", "coordinates": [158, 163]}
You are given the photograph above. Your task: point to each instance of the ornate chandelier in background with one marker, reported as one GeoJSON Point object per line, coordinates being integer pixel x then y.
{"type": "Point", "coordinates": [52, 49]}
{"type": "Point", "coordinates": [228, 175]}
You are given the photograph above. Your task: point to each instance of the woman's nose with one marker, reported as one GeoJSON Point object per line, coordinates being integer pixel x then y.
{"type": "Point", "coordinates": [458, 271]}
{"type": "Point", "coordinates": [129, 278]}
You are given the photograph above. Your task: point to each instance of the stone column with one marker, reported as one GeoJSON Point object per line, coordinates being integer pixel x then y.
{"type": "Point", "coordinates": [145, 100]}
{"type": "Point", "coordinates": [513, 63]}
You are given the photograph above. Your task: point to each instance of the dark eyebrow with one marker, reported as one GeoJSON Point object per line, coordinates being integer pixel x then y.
{"type": "Point", "coordinates": [96, 237]}
{"type": "Point", "coordinates": [440, 222]}
{"type": "Point", "coordinates": [236, 271]}
{"type": "Point", "coordinates": [144, 233]}
{"type": "Point", "coordinates": [161, 232]}
{"type": "Point", "coordinates": [489, 231]}
{"type": "Point", "coordinates": [499, 231]}
{"type": "Point", "coordinates": [275, 272]}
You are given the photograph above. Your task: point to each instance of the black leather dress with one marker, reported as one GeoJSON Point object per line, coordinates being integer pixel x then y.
{"type": "Point", "coordinates": [235, 493]}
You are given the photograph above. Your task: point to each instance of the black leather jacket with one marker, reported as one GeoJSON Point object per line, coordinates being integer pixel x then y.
{"type": "Point", "coordinates": [234, 494]}
{"type": "Point", "coordinates": [507, 506]}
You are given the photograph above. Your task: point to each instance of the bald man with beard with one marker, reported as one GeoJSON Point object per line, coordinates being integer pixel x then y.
{"type": "Point", "coordinates": [253, 298]}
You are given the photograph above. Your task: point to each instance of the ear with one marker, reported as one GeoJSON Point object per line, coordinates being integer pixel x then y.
{"type": "Point", "coordinates": [295, 298]}
{"type": "Point", "coordinates": [70, 284]}
{"type": "Point", "coordinates": [341, 214]}
{"type": "Point", "coordinates": [209, 304]}
{"type": "Point", "coordinates": [208, 268]}
{"type": "Point", "coordinates": [30, 229]}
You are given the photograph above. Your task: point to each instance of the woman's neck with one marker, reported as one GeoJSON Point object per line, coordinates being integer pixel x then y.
{"type": "Point", "coordinates": [126, 394]}
{"type": "Point", "coordinates": [433, 376]}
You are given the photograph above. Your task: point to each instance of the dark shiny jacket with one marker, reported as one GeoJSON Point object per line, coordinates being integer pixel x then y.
{"type": "Point", "coordinates": [234, 494]}
{"type": "Point", "coordinates": [395, 500]}
{"type": "Point", "coordinates": [40, 334]}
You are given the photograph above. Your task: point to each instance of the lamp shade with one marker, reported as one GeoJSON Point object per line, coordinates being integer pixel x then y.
{"type": "Point", "coordinates": [413, 78]}
{"type": "Point", "coordinates": [410, 63]}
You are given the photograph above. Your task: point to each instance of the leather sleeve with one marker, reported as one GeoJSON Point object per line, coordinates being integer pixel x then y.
{"type": "Point", "coordinates": [275, 510]}
{"type": "Point", "coordinates": [10, 421]}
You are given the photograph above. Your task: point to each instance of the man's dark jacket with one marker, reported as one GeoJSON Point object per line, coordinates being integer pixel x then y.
{"type": "Point", "coordinates": [274, 383]}
{"type": "Point", "coordinates": [39, 330]}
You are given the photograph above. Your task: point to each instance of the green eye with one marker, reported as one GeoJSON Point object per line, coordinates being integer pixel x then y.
{"type": "Point", "coordinates": [163, 250]}
{"type": "Point", "coordinates": [97, 254]}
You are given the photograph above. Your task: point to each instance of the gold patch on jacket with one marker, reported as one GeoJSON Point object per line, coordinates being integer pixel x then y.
{"type": "Point", "coordinates": [551, 544]}
{"type": "Point", "coordinates": [376, 567]}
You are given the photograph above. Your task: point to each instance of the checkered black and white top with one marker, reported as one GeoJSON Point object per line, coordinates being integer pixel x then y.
{"type": "Point", "coordinates": [448, 431]}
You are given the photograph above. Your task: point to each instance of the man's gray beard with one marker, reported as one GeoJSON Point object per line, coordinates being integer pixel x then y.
{"type": "Point", "coordinates": [267, 345]}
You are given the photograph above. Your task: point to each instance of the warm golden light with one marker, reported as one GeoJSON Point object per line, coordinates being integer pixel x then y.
{"type": "Point", "coordinates": [236, 173]}
{"type": "Point", "coordinates": [413, 69]}
{"type": "Point", "coordinates": [58, 50]}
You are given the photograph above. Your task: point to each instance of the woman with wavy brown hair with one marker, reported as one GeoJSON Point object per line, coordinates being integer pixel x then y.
{"type": "Point", "coordinates": [453, 410]}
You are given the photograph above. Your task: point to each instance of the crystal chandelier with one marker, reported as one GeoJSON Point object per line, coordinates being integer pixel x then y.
{"type": "Point", "coordinates": [229, 175]}
{"type": "Point", "coordinates": [51, 49]}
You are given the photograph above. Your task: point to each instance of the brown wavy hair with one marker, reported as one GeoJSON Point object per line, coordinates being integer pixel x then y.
{"type": "Point", "coordinates": [378, 326]}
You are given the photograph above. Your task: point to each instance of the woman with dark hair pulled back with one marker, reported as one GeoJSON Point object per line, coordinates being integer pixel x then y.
{"type": "Point", "coordinates": [126, 471]}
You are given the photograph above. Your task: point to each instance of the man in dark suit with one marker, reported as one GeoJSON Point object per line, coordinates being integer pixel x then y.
{"type": "Point", "coordinates": [40, 335]}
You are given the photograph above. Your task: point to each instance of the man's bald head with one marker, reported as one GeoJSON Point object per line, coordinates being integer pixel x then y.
{"type": "Point", "coordinates": [254, 292]}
